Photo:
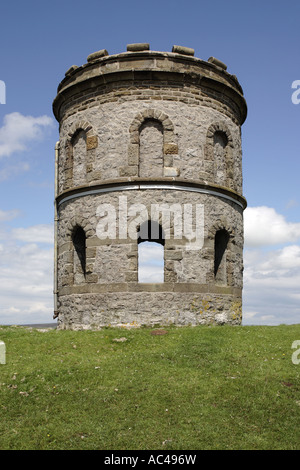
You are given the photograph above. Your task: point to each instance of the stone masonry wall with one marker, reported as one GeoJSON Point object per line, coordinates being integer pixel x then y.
{"type": "Point", "coordinates": [112, 266]}
{"type": "Point", "coordinates": [141, 130]}
{"type": "Point", "coordinates": [187, 148]}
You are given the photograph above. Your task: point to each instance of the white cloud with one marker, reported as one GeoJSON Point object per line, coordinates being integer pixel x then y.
{"type": "Point", "coordinates": [42, 233]}
{"type": "Point", "coordinates": [150, 252]}
{"type": "Point", "coordinates": [26, 275]}
{"type": "Point", "coordinates": [151, 265]}
{"type": "Point", "coordinates": [271, 276]}
{"type": "Point", "coordinates": [264, 226]}
{"type": "Point", "coordinates": [248, 314]}
{"type": "Point", "coordinates": [18, 130]}
{"type": "Point", "coordinates": [151, 274]}
{"type": "Point", "coordinates": [271, 286]}
{"type": "Point", "coordinates": [8, 215]}
{"type": "Point", "coordinates": [286, 258]}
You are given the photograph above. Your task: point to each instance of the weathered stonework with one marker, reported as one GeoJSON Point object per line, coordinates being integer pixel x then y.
{"type": "Point", "coordinates": [149, 128]}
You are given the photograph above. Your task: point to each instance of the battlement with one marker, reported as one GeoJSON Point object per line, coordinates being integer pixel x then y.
{"type": "Point", "coordinates": [139, 63]}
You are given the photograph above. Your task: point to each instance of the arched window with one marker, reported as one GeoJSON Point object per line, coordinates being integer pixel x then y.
{"type": "Point", "coordinates": [220, 265]}
{"type": "Point", "coordinates": [79, 157]}
{"type": "Point", "coordinates": [79, 260]}
{"type": "Point", "coordinates": [151, 149]}
{"type": "Point", "coordinates": [151, 243]}
{"type": "Point", "coordinates": [220, 144]}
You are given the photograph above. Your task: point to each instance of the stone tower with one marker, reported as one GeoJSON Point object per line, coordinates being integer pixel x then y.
{"type": "Point", "coordinates": [149, 150]}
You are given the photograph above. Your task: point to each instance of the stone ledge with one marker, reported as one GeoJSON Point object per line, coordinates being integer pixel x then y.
{"type": "Point", "coordinates": [138, 183]}
{"type": "Point", "coordinates": [134, 287]}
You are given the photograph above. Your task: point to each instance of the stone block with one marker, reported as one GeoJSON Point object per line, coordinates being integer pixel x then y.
{"type": "Point", "coordinates": [69, 173]}
{"type": "Point", "coordinates": [170, 277]}
{"type": "Point", "coordinates": [128, 171]}
{"type": "Point", "coordinates": [67, 280]}
{"type": "Point", "coordinates": [173, 255]}
{"type": "Point", "coordinates": [217, 62]}
{"type": "Point", "coordinates": [96, 175]}
{"type": "Point", "coordinates": [91, 252]}
{"type": "Point", "coordinates": [168, 160]}
{"type": "Point", "coordinates": [171, 171]}
{"type": "Point", "coordinates": [89, 268]}
{"type": "Point", "coordinates": [71, 69]}
{"type": "Point", "coordinates": [131, 276]}
{"type": "Point", "coordinates": [97, 55]}
{"type": "Point", "coordinates": [133, 264]}
{"type": "Point", "coordinates": [89, 167]}
{"type": "Point", "coordinates": [133, 154]}
{"type": "Point", "coordinates": [68, 257]}
{"type": "Point", "coordinates": [91, 142]}
{"type": "Point", "coordinates": [92, 278]}
{"type": "Point", "coordinates": [170, 149]}
{"type": "Point", "coordinates": [183, 50]}
{"type": "Point", "coordinates": [141, 46]}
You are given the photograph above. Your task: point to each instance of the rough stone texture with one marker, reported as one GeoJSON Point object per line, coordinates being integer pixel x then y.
{"type": "Point", "coordinates": [138, 47]}
{"type": "Point", "coordinates": [217, 62]}
{"type": "Point", "coordinates": [183, 50]}
{"type": "Point", "coordinates": [97, 55]}
{"type": "Point", "coordinates": [177, 129]}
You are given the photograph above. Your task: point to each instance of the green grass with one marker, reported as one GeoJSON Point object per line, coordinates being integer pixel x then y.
{"type": "Point", "coordinates": [192, 388]}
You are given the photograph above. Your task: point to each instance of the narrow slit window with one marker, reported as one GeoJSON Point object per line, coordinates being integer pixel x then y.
{"type": "Point", "coordinates": [221, 244]}
{"type": "Point", "coordinates": [79, 243]}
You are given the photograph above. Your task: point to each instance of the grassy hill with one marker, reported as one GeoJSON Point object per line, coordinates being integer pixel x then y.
{"type": "Point", "coordinates": [206, 387]}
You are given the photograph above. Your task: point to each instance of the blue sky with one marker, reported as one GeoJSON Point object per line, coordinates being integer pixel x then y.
{"type": "Point", "coordinates": [259, 42]}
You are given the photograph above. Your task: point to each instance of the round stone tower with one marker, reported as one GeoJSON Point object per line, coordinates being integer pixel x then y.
{"type": "Point", "coordinates": [149, 151]}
